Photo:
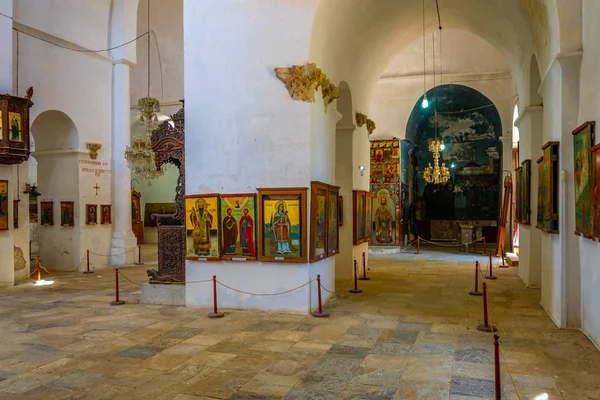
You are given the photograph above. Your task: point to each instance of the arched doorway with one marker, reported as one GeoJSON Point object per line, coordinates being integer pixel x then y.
{"type": "Point", "coordinates": [56, 152]}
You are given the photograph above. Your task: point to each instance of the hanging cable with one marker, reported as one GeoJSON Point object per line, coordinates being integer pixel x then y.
{"type": "Point", "coordinates": [162, 89]}
{"type": "Point", "coordinates": [148, 26]}
{"type": "Point", "coordinates": [425, 103]}
{"type": "Point", "coordinates": [17, 72]}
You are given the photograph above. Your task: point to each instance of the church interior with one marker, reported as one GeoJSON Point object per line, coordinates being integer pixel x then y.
{"type": "Point", "coordinates": [299, 199]}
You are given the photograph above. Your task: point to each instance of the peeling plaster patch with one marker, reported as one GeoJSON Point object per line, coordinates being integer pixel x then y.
{"type": "Point", "coordinates": [20, 262]}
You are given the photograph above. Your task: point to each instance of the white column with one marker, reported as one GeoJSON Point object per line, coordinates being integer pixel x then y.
{"type": "Point", "coordinates": [506, 165]}
{"type": "Point", "coordinates": [123, 239]}
{"type": "Point", "coordinates": [6, 171]}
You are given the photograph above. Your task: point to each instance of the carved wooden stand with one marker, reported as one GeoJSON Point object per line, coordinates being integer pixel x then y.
{"type": "Point", "coordinates": [168, 144]}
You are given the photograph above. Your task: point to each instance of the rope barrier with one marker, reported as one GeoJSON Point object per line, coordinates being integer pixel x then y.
{"type": "Point", "coordinates": [114, 255]}
{"type": "Point", "coordinates": [265, 294]}
{"type": "Point", "coordinates": [126, 278]}
{"type": "Point", "coordinates": [450, 245]}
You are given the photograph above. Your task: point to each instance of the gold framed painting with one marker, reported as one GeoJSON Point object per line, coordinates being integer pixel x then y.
{"type": "Point", "coordinates": [16, 214]}
{"type": "Point", "coordinates": [340, 211]}
{"type": "Point", "coordinates": [583, 140]}
{"type": "Point", "coordinates": [47, 213]}
{"type": "Point", "coordinates": [15, 131]}
{"type": "Point", "coordinates": [106, 214]}
{"type": "Point", "coordinates": [238, 226]}
{"type": "Point", "coordinates": [333, 226]}
{"type": "Point", "coordinates": [3, 205]}
{"type": "Point", "coordinates": [67, 213]}
{"type": "Point", "coordinates": [91, 214]}
{"type": "Point", "coordinates": [282, 235]}
{"type": "Point", "coordinates": [202, 227]}
{"type": "Point", "coordinates": [595, 188]}
{"type": "Point", "coordinates": [548, 189]}
{"type": "Point", "coordinates": [319, 202]}
{"type": "Point", "coordinates": [358, 216]}
{"type": "Point", "coordinates": [369, 199]}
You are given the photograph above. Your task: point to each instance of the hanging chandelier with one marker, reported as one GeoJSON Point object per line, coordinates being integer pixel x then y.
{"type": "Point", "coordinates": [139, 155]}
{"type": "Point", "coordinates": [436, 174]}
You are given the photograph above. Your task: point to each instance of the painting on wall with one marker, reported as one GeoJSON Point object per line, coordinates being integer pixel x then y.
{"type": "Point", "coordinates": [16, 214]}
{"type": "Point", "coordinates": [340, 208]}
{"type": "Point", "coordinates": [47, 211]}
{"type": "Point", "coordinates": [156, 208]}
{"type": "Point", "coordinates": [15, 134]}
{"type": "Point", "coordinates": [369, 197]}
{"type": "Point", "coordinates": [3, 205]}
{"type": "Point", "coordinates": [318, 221]}
{"type": "Point", "coordinates": [583, 140]}
{"type": "Point", "coordinates": [358, 214]}
{"type": "Point", "coordinates": [518, 194]}
{"type": "Point", "coordinates": [282, 232]}
{"type": "Point", "coordinates": [91, 214]}
{"type": "Point", "coordinates": [595, 189]}
{"type": "Point", "coordinates": [106, 214]}
{"type": "Point", "coordinates": [67, 213]}
{"type": "Point", "coordinates": [523, 176]}
{"type": "Point", "coordinates": [384, 216]}
{"type": "Point", "coordinates": [238, 226]}
{"type": "Point", "coordinates": [202, 227]}
{"type": "Point", "coordinates": [33, 209]}
{"type": "Point", "coordinates": [548, 189]}
{"type": "Point", "coordinates": [333, 227]}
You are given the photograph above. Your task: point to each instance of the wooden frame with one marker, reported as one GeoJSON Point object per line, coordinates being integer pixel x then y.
{"type": "Point", "coordinates": [275, 197]}
{"type": "Point", "coordinates": [245, 226]}
{"type": "Point", "coordinates": [105, 214]}
{"type": "Point", "coordinates": [548, 189]}
{"type": "Point", "coordinates": [595, 161]}
{"type": "Point", "coordinates": [47, 213]}
{"type": "Point", "coordinates": [3, 205]}
{"type": "Point", "coordinates": [369, 200]}
{"type": "Point", "coordinates": [583, 140]}
{"type": "Point", "coordinates": [333, 236]}
{"type": "Point", "coordinates": [523, 195]}
{"type": "Point", "coordinates": [340, 210]}
{"type": "Point", "coordinates": [16, 213]}
{"type": "Point", "coordinates": [319, 224]}
{"type": "Point", "coordinates": [67, 207]}
{"type": "Point", "coordinates": [203, 243]}
{"type": "Point", "coordinates": [358, 216]}
{"type": "Point", "coordinates": [91, 214]}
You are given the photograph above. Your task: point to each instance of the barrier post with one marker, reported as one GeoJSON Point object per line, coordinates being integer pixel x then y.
{"type": "Point", "coordinates": [39, 269]}
{"type": "Point", "coordinates": [139, 256]}
{"type": "Point", "coordinates": [502, 254]}
{"type": "Point", "coordinates": [476, 292]}
{"type": "Point", "coordinates": [116, 302]}
{"type": "Point", "coordinates": [418, 245]}
{"type": "Point", "coordinates": [484, 247]}
{"type": "Point", "coordinates": [320, 313]}
{"type": "Point", "coordinates": [364, 277]}
{"type": "Point", "coordinates": [356, 289]}
{"type": "Point", "coordinates": [491, 275]}
{"type": "Point", "coordinates": [87, 256]}
{"type": "Point", "coordinates": [485, 327]}
{"type": "Point", "coordinates": [498, 379]}
{"type": "Point", "coordinates": [215, 313]}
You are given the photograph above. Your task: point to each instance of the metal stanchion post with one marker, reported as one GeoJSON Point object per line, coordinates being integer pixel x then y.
{"type": "Point", "coordinates": [476, 292]}
{"type": "Point", "coordinates": [215, 313]}
{"type": "Point", "coordinates": [498, 379]}
{"type": "Point", "coordinates": [139, 256]}
{"type": "Point", "coordinates": [485, 327]}
{"type": "Point", "coordinates": [87, 256]}
{"type": "Point", "coordinates": [364, 277]}
{"type": "Point", "coordinates": [320, 313]}
{"type": "Point", "coordinates": [491, 275]}
{"type": "Point", "coordinates": [356, 289]}
{"type": "Point", "coordinates": [39, 269]}
{"type": "Point", "coordinates": [418, 245]}
{"type": "Point", "coordinates": [116, 302]}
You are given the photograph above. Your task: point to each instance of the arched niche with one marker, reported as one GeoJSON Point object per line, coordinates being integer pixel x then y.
{"type": "Point", "coordinates": [470, 126]}
{"type": "Point", "coordinates": [56, 151]}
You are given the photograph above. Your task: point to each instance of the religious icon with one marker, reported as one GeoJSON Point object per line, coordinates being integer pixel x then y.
{"type": "Point", "coordinates": [596, 191]}
{"type": "Point", "coordinates": [14, 120]}
{"type": "Point", "coordinates": [369, 216]}
{"type": "Point", "coordinates": [340, 211]}
{"type": "Point", "coordinates": [0, 124]}
{"type": "Point", "coordinates": [238, 231]}
{"type": "Point", "coordinates": [106, 214]}
{"type": "Point", "coordinates": [358, 208]}
{"type": "Point", "coordinates": [547, 189]}
{"type": "Point", "coordinates": [33, 209]}
{"type": "Point", "coordinates": [67, 214]}
{"type": "Point", "coordinates": [16, 214]}
{"type": "Point", "coordinates": [383, 221]}
{"type": "Point", "coordinates": [333, 228]}
{"type": "Point", "coordinates": [47, 211]}
{"type": "Point", "coordinates": [583, 139]}
{"type": "Point", "coordinates": [282, 228]}
{"type": "Point", "coordinates": [3, 205]}
{"type": "Point", "coordinates": [202, 227]}
{"type": "Point", "coordinates": [318, 221]}
{"type": "Point", "coordinates": [91, 216]}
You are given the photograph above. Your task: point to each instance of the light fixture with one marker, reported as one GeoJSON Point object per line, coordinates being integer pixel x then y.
{"type": "Point", "coordinates": [31, 190]}
{"type": "Point", "coordinates": [442, 146]}
{"type": "Point", "coordinates": [139, 155]}
{"type": "Point", "coordinates": [425, 102]}
{"type": "Point", "coordinates": [452, 165]}
{"type": "Point", "coordinates": [361, 168]}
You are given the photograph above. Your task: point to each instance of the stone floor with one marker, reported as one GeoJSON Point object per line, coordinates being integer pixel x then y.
{"type": "Point", "coordinates": [410, 335]}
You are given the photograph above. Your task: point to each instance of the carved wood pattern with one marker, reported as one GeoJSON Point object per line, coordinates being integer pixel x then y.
{"type": "Point", "coordinates": [168, 144]}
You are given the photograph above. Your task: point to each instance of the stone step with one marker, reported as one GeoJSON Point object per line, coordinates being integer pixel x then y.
{"type": "Point", "coordinates": [512, 259]}
{"type": "Point", "coordinates": [134, 297]}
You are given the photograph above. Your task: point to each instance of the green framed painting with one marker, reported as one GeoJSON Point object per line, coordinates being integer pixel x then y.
{"type": "Point", "coordinates": [333, 225]}
{"type": "Point", "coordinates": [238, 226]}
{"type": "Point", "coordinates": [548, 189]}
{"type": "Point", "coordinates": [319, 203]}
{"type": "Point", "coordinates": [596, 191]}
{"type": "Point", "coordinates": [583, 140]}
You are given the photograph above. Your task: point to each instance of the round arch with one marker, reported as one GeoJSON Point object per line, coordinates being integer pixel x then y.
{"type": "Point", "coordinates": [54, 130]}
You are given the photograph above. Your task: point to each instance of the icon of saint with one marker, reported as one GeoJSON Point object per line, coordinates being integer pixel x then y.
{"type": "Point", "coordinates": [15, 132]}
{"type": "Point", "coordinates": [230, 232]}
{"type": "Point", "coordinates": [281, 226]}
{"type": "Point", "coordinates": [247, 227]}
{"type": "Point", "coordinates": [383, 221]}
{"type": "Point", "coordinates": [92, 215]}
{"type": "Point", "coordinates": [106, 215]}
{"type": "Point", "coordinates": [202, 220]}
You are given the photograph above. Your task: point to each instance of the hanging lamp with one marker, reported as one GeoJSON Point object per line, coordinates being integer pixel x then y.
{"type": "Point", "coordinates": [139, 155]}
{"type": "Point", "coordinates": [425, 102]}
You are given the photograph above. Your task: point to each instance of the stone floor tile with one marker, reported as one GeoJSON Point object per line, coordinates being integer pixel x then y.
{"type": "Point", "coordinates": [474, 387]}
{"type": "Point", "coordinates": [78, 378]}
{"type": "Point", "coordinates": [140, 352]}
{"type": "Point", "coordinates": [363, 392]}
{"type": "Point", "coordinates": [478, 356]}
{"type": "Point", "coordinates": [270, 385]}
{"type": "Point", "coordinates": [422, 390]}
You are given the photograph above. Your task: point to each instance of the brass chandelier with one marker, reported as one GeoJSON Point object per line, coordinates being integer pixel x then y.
{"type": "Point", "coordinates": [140, 156]}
